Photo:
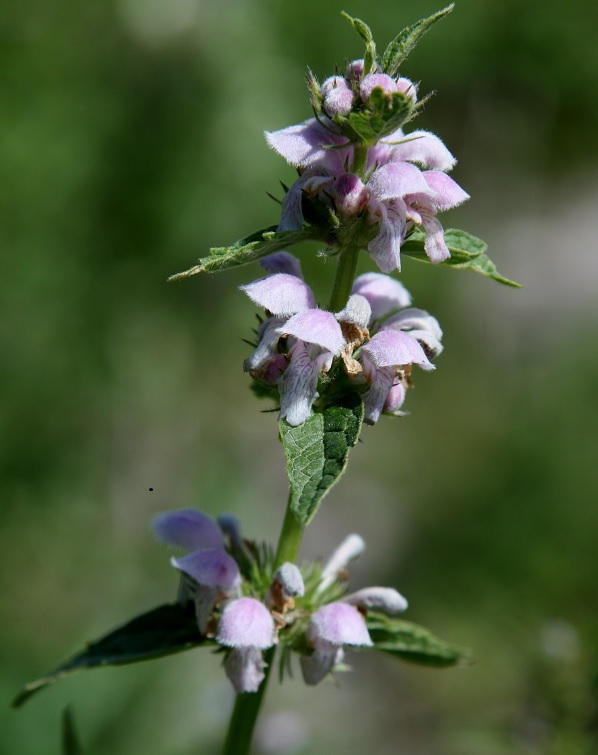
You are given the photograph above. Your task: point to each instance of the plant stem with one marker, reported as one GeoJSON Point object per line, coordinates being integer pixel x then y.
{"type": "Point", "coordinates": [248, 704]}
{"type": "Point", "coordinates": [343, 280]}
{"type": "Point", "coordinates": [290, 538]}
{"type": "Point", "coordinates": [360, 159]}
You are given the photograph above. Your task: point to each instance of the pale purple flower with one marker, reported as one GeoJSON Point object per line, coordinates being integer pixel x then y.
{"type": "Point", "coordinates": [287, 584]}
{"type": "Point", "coordinates": [376, 81]}
{"type": "Point", "coordinates": [384, 600]}
{"type": "Point", "coordinates": [314, 339]}
{"type": "Point", "coordinates": [188, 529]}
{"type": "Point", "coordinates": [217, 576]}
{"type": "Point", "coordinates": [351, 548]}
{"type": "Point", "coordinates": [423, 206]}
{"type": "Point", "coordinates": [383, 358]}
{"type": "Point", "coordinates": [247, 627]}
{"type": "Point", "coordinates": [309, 143]}
{"type": "Point", "coordinates": [385, 294]}
{"type": "Point", "coordinates": [331, 627]}
{"type": "Point", "coordinates": [317, 339]}
{"type": "Point", "coordinates": [338, 96]}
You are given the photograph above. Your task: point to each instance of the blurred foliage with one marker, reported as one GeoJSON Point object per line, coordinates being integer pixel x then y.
{"type": "Point", "coordinates": [131, 142]}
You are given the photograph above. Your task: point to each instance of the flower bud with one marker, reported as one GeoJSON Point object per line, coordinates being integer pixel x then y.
{"type": "Point", "coordinates": [338, 97]}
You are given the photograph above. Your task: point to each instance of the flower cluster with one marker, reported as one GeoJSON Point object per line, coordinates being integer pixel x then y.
{"type": "Point", "coordinates": [298, 342]}
{"type": "Point", "coordinates": [246, 615]}
{"type": "Point", "coordinates": [403, 184]}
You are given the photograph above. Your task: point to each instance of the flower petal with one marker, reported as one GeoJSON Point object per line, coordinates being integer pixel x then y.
{"type": "Point", "coordinates": [282, 262]}
{"type": "Point", "coordinates": [390, 348]}
{"type": "Point", "coordinates": [292, 208]}
{"type": "Point", "coordinates": [434, 244]}
{"type": "Point", "coordinates": [321, 662]}
{"type": "Point", "coordinates": [385, 248]}
{"type": "Point", "coordinates": [266, 350]}
{"type": "Point", "coordinates": [304, 144]}
{"type": "Point", "coordinates": [210, 567]}
{"type": "Point", "coordinates": [298, 384]}
{"type": "Point", "coordinates": [385, 294]}
{"type": "Point", "coordinates": [397, 179]}
{"type": "Point", "coordinates": [246, 622]}
{"type": "Point", "coordinates": [351, 548]}
{"type": "Point", "coordinates": [424, 148]}
{"type": "Point", "coordinates": [281, 294]}
{"type": "Point", "coordinates": [340, 624]}
{"type": "Point", "coordinates": [395, 400]}
{"type": "Point", "coordinates": [338, 96]}
{"type": "Point", "coordinates": [383, 599]}
{"type": "Point", "coordinates": [188, 529]}
{"type": "Point", "coordinates": [413, 319]}
{"type": "Point", "coordinates": [290, 579]}
{"type": "Point", "coordinates": [381, 384]}
{"type": "Point", "coordinates": [245, 669]}
{"type": "Point", "coordinates": [448, 193]}
{"type": "Point", "coordinates": [374, 81]}
{"type": "Point", "coordinates": [357, 311]}
{"type": "Point", "coordinates": [316, 326]}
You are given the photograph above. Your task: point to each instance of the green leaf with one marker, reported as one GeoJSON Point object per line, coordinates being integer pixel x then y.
{"type": "Point", "coordinates": [168, 629]}
{"type": "Point", "coordinates": [70, 740]}
{"type": "Point", "coordinates": [246, 250]}
{"type": "Point", "coordinates": [467, 253]}
{"type": "Point", "coordinates": [405, 41]}
{"type": "Point", "coordinates": [411, 642]}
{"type": "Point", "coordinates": [317, 452]}
{"type": "Point", "coordinates": [364, 31]}
{"type": "Point", "coordinates": [384, 115]}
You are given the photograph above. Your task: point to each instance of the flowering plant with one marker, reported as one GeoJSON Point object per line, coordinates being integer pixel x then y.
{"type": "Point", "coordinates": [365, 182]}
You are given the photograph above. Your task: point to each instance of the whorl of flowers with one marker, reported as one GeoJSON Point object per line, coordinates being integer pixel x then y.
{"type": "Point", "coordinates": [246, 609]}
{"type": "Point", "coordinates": [404, 181]}
{"type": "Point", "coordinates": [376, 339]}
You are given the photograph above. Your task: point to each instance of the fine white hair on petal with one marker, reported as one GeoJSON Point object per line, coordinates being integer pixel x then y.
{"type": "Point", "coordinates": [447, 194]}
{"type": "Point", "coordinates": [290, 579]}
{"type": "Point", "coordinates": [385, 294]}
{"type": "Point", "coordinates": [281, 293]}
{"type": "Point", "coordinates": [376, 80]}
{"type": "Point", "coordinates": [424, 148]}
{"type": "Point", "coordinates": [357, 311]}
{"type": "Point", "coordinates": [188, 529]}
{"type": "Point", "coordinates": [397, 179]}
{"type": "Point", "coordinates": [390, 348]}
{"type": "Point", "coordinates": [246, 622]}
{"type": "Point", "coordinates": [351, 548]}
{"type": "Point", "coordinates": [414, 319]}
{"type": "Point", "coordinates": [340, 624]}
{"type": "Point", "coordinates": [209, 567]}
{"type": "Point", "coordinates": [306, 143]}
{"type": "Point", "coordinates": [316, 326]}
{"type": "Point", "coordinates": [386, 600]}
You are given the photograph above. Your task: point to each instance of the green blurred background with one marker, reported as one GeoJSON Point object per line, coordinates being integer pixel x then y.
{"type": "Point", "coordinates": [131, 141]}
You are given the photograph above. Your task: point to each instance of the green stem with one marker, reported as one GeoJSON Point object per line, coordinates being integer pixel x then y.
{"type": "Point", "coordinates": [343, 280]}
{"type": "Point", "coordinates": [290, 538]}
{"type": "Point", "coordinates": [248, 704]}
{"type": "Point", "coordinates": [360, 160]}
